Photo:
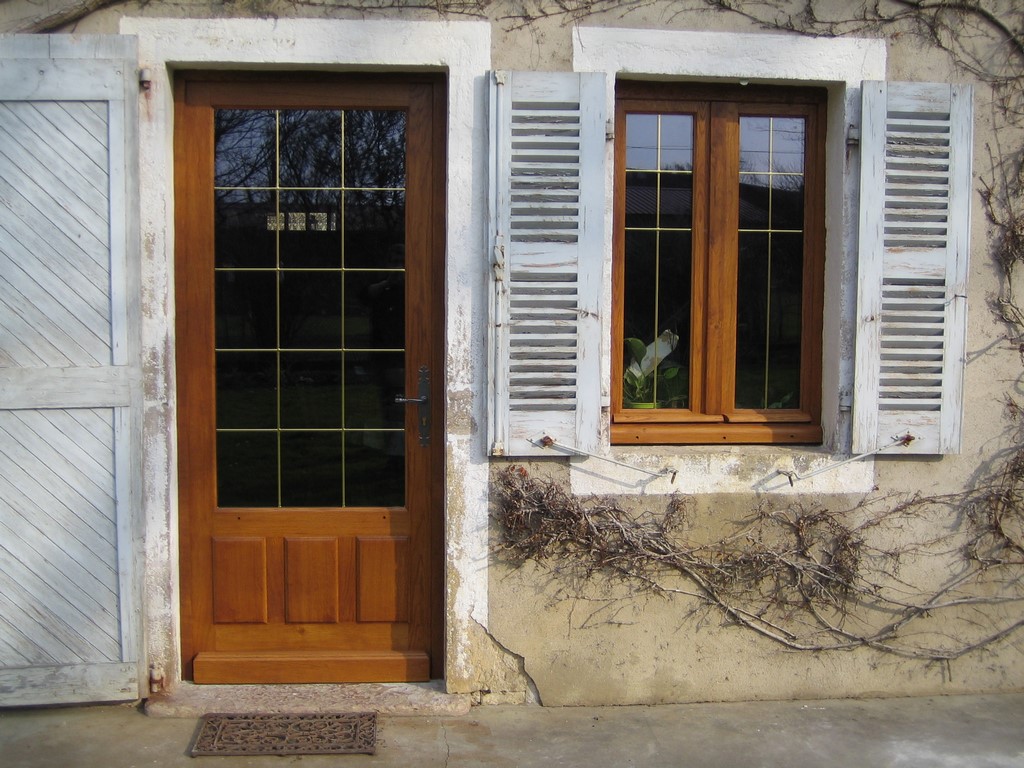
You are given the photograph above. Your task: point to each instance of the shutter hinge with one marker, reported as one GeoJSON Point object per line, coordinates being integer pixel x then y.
{"type": "Point", "coordinates": [500, 77]}
{"type": "Point", "coordinates": [145, 78]}
{"type": "Point", "coordinates": [157, 678]}
{"type": "Point", "coordinates": [609, 130]}
{"type": "Point", "coordinates": [845, 400]}
{"type": "Point", "coordinates": [499, 263]}
{"type": "Point", "coordinates": [853, 136]}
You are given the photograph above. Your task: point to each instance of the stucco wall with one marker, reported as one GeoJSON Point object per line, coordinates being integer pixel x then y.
{"type": "Point", "coordinates": [520, 635]}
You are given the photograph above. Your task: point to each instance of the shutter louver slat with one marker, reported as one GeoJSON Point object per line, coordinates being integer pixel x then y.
{"type": "Point", "coordinates": [545, 155]}
{"type": "Point", "coordinates": [547, 148]}
{"type": "Point", "coordinates": [915, 195]}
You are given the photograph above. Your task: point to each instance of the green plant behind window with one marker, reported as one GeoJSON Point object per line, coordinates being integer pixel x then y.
{"type": "Point", "coordinates": [649, 379]}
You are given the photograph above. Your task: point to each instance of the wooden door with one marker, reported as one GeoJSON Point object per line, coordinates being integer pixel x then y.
{"type": "Point", "coordinates": [309, 277]}
{"type": "Point", "coordinates": [70, 387]}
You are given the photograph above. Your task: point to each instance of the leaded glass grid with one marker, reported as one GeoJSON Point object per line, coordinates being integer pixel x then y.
{"type": "Point", "coordinates": [309, 307]}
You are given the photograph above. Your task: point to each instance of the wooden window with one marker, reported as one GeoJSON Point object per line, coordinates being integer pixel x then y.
{"type": "Point", "coordinates": [719, 249]}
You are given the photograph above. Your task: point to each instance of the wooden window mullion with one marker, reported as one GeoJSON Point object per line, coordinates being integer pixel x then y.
{"type": "Point", "coordinates": [722, 246]}
{"type": "Point", "coordinates": [700, 299]}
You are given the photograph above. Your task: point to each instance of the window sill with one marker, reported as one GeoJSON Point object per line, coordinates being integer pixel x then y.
{"type": "Point", "coordinates": [714, 434]}
{"type": "Point", "coordinates": [717, 470]}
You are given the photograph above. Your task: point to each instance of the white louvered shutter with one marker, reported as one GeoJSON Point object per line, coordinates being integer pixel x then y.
{"type": "Point", "coordinates": [547, 237]}
{"type": "Point", "coordinates": [916, 146]}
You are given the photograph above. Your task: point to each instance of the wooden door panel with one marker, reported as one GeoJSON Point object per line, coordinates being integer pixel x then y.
{"type": "Point", "coordinates": [239, 580]}
{"type": "Point", "coordinates": [309, 581]}
{"type": "Point", "coordinates": [383, 578]}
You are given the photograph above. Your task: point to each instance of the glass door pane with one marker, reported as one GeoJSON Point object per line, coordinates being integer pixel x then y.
{"type": "Point", "coordinates": [310, 307]}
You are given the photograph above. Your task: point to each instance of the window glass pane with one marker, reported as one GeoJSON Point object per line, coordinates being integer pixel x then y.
{"type": "Point", "coordinates": [658, 261]}
{"type": "Point", "coordinates": [310, 234]}
{"type": "Point", "coordinates": [788, 144]}
{"type": "Point", "coordinates": [246, 147]}
{"type": "Point", "coordinates": [375, 309]}
{"type": "Point", "coordinates": [672, 379]}
{"type": "Point", "coordinates": [372, 380]}
{"type": "Point", "coordinates": [310, 307]}
{"type": "Point", "coordinates": [310, 147]}
{"type": "Point", "coordinates": [755, 144]}
{"type": "Point", "coordinates": [640, 276]}
{"type": "Point", "coordinates": [676, 142]}
{"type": "Point", "coordinates": [676, 200]}
{"type": "Point", "coordinates": [374, 149]}
{"type": "Point", "coordinates": [755, 200]}
{"type": "Point", "coordinates": [310, 390]}
{"type": "Point", "coordinates": [656, 319]}
{"type": "Point", "coordinates": [641, 142]}
{"type": "Point", "coordinates": [310, 310]}
{"type": "Point", "coordinates": [311, 469]}
{"type": "Point", "coordinates": [246, 390]}
{"type": "Point", "coordinates": [374, 468]}
{"type": "Point", "coordinates": [246, 304]}
{"type": "Point", "coordinates": [770, 292]}
{"type": "Point", "coordinates": [642, 199]}
{"type": "Point", "coordinates": [247, 469]}
{"type": "Point", "coordinates": [375, 229]}
{"type": "Point", "coordinates": [751, 319]}
{"type": "Point", "coordinates": [787, 202]}
{"type": "Point", "coordinates": [245, 228]}
{"type": "Point", "coordinates": [768, 320]}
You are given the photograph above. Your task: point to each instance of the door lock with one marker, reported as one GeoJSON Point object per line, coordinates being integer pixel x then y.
{"type": "Point", "coordinates": [422, 401]}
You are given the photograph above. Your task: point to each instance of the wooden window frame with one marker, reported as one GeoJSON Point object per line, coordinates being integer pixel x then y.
{"type": "Point", "coordinates": [710, 418]}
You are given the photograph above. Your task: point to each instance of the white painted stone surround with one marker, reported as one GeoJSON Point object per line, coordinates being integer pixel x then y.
{"type": "Point", "coordinates": [840, 65]}
{"type": "Point", "coordinates": [463, 51]}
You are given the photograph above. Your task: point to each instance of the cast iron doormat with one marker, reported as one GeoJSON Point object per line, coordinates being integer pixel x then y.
{"type": "Point", "coordinates": [315, 734]}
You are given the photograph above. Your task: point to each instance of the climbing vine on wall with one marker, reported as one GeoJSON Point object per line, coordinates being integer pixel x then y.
{"type": "Point", "coordinates": [809, 578]}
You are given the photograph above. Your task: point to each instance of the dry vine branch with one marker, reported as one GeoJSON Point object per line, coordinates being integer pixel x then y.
{"type": "Point", "coordinates": [806, 578]}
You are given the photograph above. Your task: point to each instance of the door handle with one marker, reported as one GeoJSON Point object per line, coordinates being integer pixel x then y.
{"type": "Point", "coordinates": [422, 401]}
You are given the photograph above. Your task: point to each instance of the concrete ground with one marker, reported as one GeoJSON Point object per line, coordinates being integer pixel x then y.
{"type": "Point", "coordinates": [961, 731]}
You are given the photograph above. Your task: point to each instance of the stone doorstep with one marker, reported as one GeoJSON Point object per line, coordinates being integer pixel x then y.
{"type": "Point", "coordinates": [396, 699]}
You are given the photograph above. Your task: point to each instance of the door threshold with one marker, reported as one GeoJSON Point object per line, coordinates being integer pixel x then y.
{"type": "Point", "coordinates": [397, 699]}
{"type": "Point", "coordinates": [242, 667]}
